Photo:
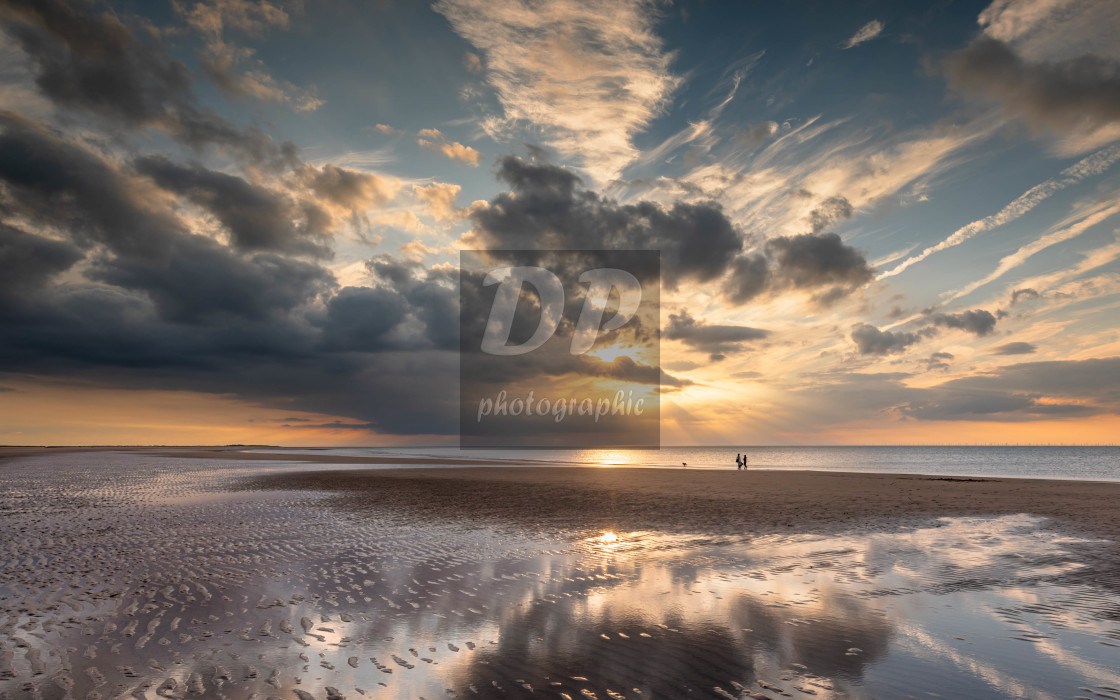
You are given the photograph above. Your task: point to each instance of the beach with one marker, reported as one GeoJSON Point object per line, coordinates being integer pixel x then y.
{"type": "Point", "coordinates": [212, 572]}
{"type": "Point", "coordinates": [717, 502]}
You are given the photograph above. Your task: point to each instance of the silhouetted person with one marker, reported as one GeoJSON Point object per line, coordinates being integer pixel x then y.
{"type": "Point", "coordinates": [744, 460]}
{"type": "Point", "coordinates": [739, 461]}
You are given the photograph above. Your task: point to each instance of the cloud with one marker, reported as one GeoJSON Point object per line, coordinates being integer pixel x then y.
{"type": "Point", "coordinates": [870, 340]}
{"type": "Point", "coordinates": [816, 260]}
{"type": "Point", "coordinates": [548, 208]}
{"type": "Point", "coordinates": [256, 217]}
{"type": "Point", "coordinates": [1094, 164]}
{"type": "Point", "coordinates": [360, 319]}
{"type": "Point", "coordinates": [1029, 391]}
{"type": "Point", "coordinates": [144, 271]}
{"type": "Point", "coordinates": [439, 197]}
{"type": "Point", "coordinates": [1082, 220]}
{"type": "Point", "coordinates": [820, 263]}
{"type": "Point", "coordinates": [213, 16]}
{"type": "Point", "coordinates": [865, 33]}
{"type": "Point", "coordinates": [351, 190]}
{"type": "Point", "coordinates": [256, 83]}
{"type": "Point", "coordinates": [717, 340]}
{"type": "Point", "coordinates": [1026, 293]}
{"type": "Point", "coordinates": [58, 182]}
{"type": "Point", "coordinates": [220, 59]}
{"type": "Point", "coordinates": [758, 133]}
{"type": "Point", "coordinates": [149, 303]}
{"type": "Point", "coordinates": [1036, 391]}
{"type": "Point", "coordinates": [1079, 95]}
{"type": "Point", "coordinates": [979, 322]}
{"type": "Point", "coordinates": [29, 262]}
{"type": "Point", "coordinates": [433, 140]}
{"type": "Point", "coordinates": [748, 278]}
{"type": "Point", "coordinates": [1018, 348]}
{"type": "Point", "coordinates": [813, 261]}
{"type": "Point", "coordinates": [829, 211]}
{"type": "Point", "coordinates": [1051, 29]}
{"type": "Point", "coordinates": [92, 63]}
{"type": "Point", "coordinates": [589, 75]}
{"type": "Point", "coordinates": [938, 361]}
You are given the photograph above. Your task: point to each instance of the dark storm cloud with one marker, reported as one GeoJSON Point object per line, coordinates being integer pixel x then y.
{"type": "Point", "coordinates": [27, 262]}
{"type": "Point", "coordinates": [433, 295]}
{"type": "Point", "coordinates": [88, 61]}
{"type": "Point", "coordinates": [136, 241]}
{"type": "Point", "coordinates": [201, 279]}
{"type": "Point", "coordinates": [1015, 349]}
{"type": "Point", "coordinates": [749, 277]}
{"type": "Point", "coordinates": [145, 302]}
{"type": "Point", "coordinates": [1080, 93]}
{"type": "Point", "coordinates": [870, 340]}
{"type": "Point", "coordinates": [816, 260]}
{"type": "Point", "coordinates": [359, 318]}
{"type": "Point", "coordinates": [60, 183]}
{"type": "Point", "coordinates": [979, 322]}
{"type": "Point", "coordinates": [156, 306]}
{"type": "Point", "coordinates": [548, 207]}
{"type": "Point", "coordinates": [256, 217]}
{"type": "Point", "coordinates": [717, 340]}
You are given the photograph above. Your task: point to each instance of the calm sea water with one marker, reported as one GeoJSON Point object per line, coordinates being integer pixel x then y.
{"type": "Point", "coordinates": [1090, 463]}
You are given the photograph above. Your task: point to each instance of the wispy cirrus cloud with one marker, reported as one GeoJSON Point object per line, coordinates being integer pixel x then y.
{"type": "Point", "coordinates": [221, 60]}
{"type": "Point", "coordinates": [864, 34]}
{"type": "Point", "coordinates": [587, 75]}
{"type": "Point", "coordinates": [1071, 227]}
{"type": "Point", "coordinates": [1089, 166]}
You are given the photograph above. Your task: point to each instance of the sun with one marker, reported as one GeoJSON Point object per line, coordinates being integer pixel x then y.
{"type": "Point", "coordinates": [608, 537]}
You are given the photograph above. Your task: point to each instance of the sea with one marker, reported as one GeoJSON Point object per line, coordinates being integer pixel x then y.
{"type": "Point", "coordinates": [1091, 463]}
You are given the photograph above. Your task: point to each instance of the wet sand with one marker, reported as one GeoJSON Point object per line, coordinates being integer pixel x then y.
{"type": "Point", "coordinates": [203, 572]}
{"type": "Point", "coordinates": [719, 502]}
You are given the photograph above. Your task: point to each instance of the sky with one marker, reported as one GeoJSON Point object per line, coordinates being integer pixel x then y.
{"type": "Point", "coordinates": [227, 221]}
